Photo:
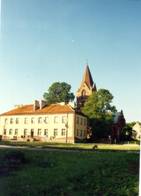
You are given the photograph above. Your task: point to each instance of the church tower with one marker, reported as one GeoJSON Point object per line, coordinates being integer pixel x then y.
{"type": "Point", "coordinates": [86, 88]}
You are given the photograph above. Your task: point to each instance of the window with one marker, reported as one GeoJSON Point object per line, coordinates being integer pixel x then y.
{"type": "Point", "coordinates": [77, 132]}
{"type": "Point", "coordinates": [55, 132]}
{"type": "Point", "coordinates": [46, 132]}
{"type": "Point", "coordinates": [25, 120]}
{"type": "Point", "coordinates": [40, 120]}
{"type": "Point", "coordinates": [39, 131]}
{"type": "Point", "coordinates": [32, 120]}
{"type": "Point", "coordinates": [25, 132]}
{"type": "Point", "coordinates": [6, 120]}
{"type": "Point", "coordinates": [81, 133]}
{"type": "Point", "coordinates": [63, 132]}
{"type": "Point", "coordinates": [85, 122]}
{"type": "Point", "coordinates": [17, 121]}
{"type": "Point", "coordinates": [46, 120]}
{"type": "Point", "coordinates": [11, 120]}
{"type": "Point", "coordinates": [56, 119]}
{"type": "Point", "coordinates": [83, 93]}
{"type": "Point", "coordinates": [64, 119]}
{"type": "Point", "coordinates": [16, 131]}
{"type": "Point", "coordinates": [81, 121]}
{"type": "Point", "coordinates": [10, 131]}
{"type": "Point", "coordinates": [4, 132]}
{"type": "Point", "coordinates": [32, 132]}
{"type": "Point", "coordinates": [77, 120]}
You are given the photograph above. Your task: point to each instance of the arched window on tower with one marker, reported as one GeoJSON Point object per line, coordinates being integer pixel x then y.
{"type": "Point", "coordinates": [83, 94]}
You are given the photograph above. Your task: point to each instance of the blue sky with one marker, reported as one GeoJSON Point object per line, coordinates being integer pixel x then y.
{"type": "Point", "coordinates": [43, 41]}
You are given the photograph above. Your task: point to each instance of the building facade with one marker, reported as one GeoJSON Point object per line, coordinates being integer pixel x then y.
{"type": "Point", "coordinates": [53, 123]}
{"type": "Point", "coordinates": [136, 129]}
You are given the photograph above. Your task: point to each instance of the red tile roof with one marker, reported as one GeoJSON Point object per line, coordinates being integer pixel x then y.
{"type": "Point", "coordinates": [51, 109]}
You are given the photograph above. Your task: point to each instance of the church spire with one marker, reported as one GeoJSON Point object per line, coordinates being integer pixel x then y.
{"type": "Point", "coordinates": [86, 88]}
{"type": "Point", "coordinates": [87, 77]}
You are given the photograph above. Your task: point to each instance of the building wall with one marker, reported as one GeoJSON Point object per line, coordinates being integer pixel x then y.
{"type": "Point", "coordinates": [62, 128]}
{"type": "Point", "coordinates": [80, 127]}
{"type": "Point", "coordinates": [51, 128]}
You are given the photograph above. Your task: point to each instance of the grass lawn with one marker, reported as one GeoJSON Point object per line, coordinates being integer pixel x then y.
{"type": "Point", "coordinates": [83, 146]}
{"type": "Point", "coordinates": [60, 173]}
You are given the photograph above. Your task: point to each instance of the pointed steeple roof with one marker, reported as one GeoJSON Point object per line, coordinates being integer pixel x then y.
{"type": "Point", "coordinates": [87, 77]}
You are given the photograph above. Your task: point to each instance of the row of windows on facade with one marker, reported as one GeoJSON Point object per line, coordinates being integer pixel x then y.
{"type": "Point", "coordinates": [40, 120]}
{"type": "Point", "coordinates": [80, 133]}
{"type": "Point", "coordinates": [34, 120]}
{"type": "Point", "coordinates": [39, 132]}
{"type": "Point", "coordinates": [81, 121]}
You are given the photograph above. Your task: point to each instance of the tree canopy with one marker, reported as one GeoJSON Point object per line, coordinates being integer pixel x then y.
{"type": "Point", "coordinates": [100, 112]}
{"type": "Point", "coordinates": [59, 92]}
{"type": "Point", "coordinates": [98, 105]}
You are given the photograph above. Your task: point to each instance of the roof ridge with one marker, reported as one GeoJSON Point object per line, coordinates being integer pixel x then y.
{"type": "Point", "coordinates": [70, 107]}
{"type": "Point", "coordinates": [50, 109]}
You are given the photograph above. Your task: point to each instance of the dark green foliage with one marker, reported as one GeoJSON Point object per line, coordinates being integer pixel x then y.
{"type": "Point", "coordinates": [74, 173]}
{"type": "Point", "coordinates": [15, 156]}
{"type": "Point", "coordinates": [127, 132]}
{"type": "Point", "coordinates": [101, 128]}
{"type": "Point", "coordinates": [100, 112]}
{"type": "Point", "coordinates": [47, 163]}
{"type": "Point", "coordinates": [98, 105]}
{"type": "Point", "coordinates": [59, 92]}
{"type": "Point", "coordinates": [11, 161]}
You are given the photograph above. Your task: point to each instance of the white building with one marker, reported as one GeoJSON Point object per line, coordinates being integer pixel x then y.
{"type": "Point", "coordinates": [53, 123]}
{"type": "Point", "coordinates": [137, 130]}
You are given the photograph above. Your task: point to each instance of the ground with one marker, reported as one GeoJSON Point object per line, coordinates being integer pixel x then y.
{"type": "Point", "coordinates": [69, 172]}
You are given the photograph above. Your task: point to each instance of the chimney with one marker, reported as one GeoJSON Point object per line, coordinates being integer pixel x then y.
{"type": "Point", "coordinates": [72, 104]}
{"type": "Point", "coordinates": [19, 106]}
{"type": "Point", "coordinates": [42, 104]}
{"type": "Point", "coordinates": [36, 105]}
{"type": "Point", "coordinates": [62, 103]}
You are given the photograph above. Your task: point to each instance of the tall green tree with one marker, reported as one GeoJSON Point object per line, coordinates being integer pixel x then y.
{"type": "Point", "coordinates": [100, 112]}
{"type": "Point", "coordinates": [98, 105]}
{"type": "Point", "coordinates": [59, 92]}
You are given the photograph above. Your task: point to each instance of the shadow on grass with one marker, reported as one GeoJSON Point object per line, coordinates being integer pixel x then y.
{"type": "Point", "coordinates": [12, 161]}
